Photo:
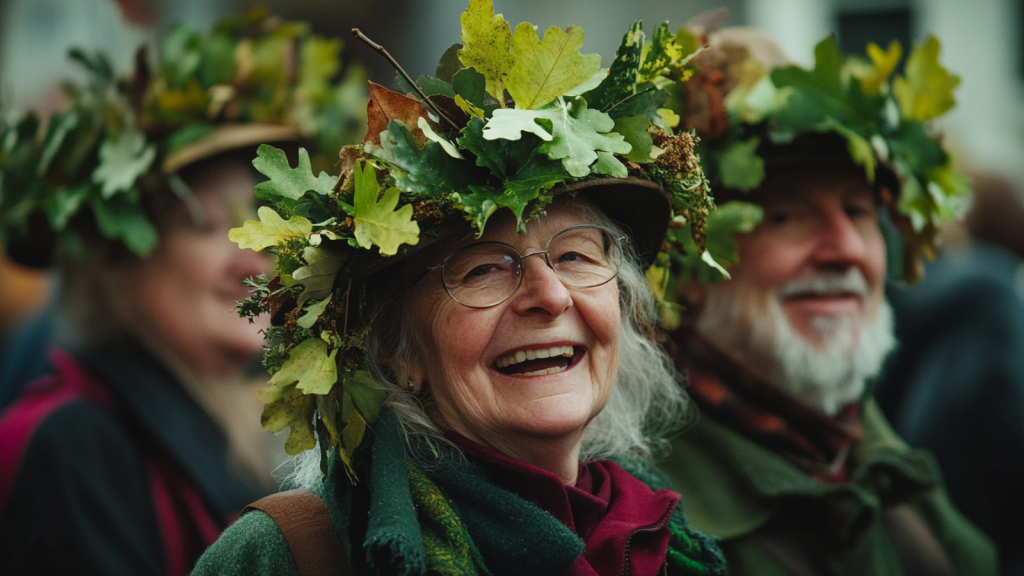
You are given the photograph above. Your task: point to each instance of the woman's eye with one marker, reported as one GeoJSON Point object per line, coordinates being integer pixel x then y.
{"type": "Point", "coordinates": [570, 257]}
{"type": "Point", "coordinates": [855, 211]}
{"type": "Point", "coordinates": [778, 217]}
{"type": "Point", "coordinates": [481, 271]}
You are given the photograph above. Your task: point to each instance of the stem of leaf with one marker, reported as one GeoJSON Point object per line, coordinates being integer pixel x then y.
{"type": "Point", "coordinates": [358, 34]}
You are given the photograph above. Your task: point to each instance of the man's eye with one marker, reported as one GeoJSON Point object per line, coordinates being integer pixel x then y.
{"type": "Point", "coordinates": [778, 217]}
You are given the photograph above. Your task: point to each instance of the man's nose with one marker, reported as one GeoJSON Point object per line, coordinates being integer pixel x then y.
{"type": "Point", "coordinates": [839, 242]}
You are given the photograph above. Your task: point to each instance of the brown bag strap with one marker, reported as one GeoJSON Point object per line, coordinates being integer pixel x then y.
{"type": "Point", "coordinates": [306, 524]}
{"type": "Point", "coordinates": [921, 552]}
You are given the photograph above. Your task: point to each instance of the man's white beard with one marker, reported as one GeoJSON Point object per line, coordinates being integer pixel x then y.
{"type": "Point", "coordinates": [825, 376]}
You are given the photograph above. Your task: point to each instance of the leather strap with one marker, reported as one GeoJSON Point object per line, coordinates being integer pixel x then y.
{"type": "Point", "coordinates": [921, 552]}
{"type": "Point", "coordinates": [306, 524]}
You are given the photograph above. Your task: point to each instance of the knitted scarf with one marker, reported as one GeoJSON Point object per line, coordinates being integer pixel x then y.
{"type": "Point", "coordinates": [438, 512]}
{"type": "Point", "coordinates": [817, 443]}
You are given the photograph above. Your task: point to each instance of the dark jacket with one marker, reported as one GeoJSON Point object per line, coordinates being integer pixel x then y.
{"type": "Point", "coordinates": [956, 385]}
{"type": "Point", "coordinates": [110, 467]}
{"type": "Point", "coordinates": [767, 511]}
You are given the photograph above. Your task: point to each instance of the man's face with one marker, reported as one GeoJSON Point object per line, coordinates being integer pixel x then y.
{"type": "Point", "coordinates": [805, 308]}
{"type": "Point", "coordinates": [820, 222]}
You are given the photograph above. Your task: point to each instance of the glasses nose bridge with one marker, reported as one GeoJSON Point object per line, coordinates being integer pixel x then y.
{"type": "Point", "coordinates": [523, 257]}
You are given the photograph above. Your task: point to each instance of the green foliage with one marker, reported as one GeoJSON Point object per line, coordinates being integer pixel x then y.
{"type": "Point", "coordinates": [122, 160]}
{"type": "Point", "coordinates": [289, 407]}
{"type": "Point", "coordinates": [635, 131]}
{"type": "Point", "coordinates": [623, 73]}
{"type": "Point", "coordinates": [577, 133]}
{"type": "Point", "coordinates": [414, 176]}
{"type": "Point", "coordinates": [927, 90]}
{"type": "Point", "coordinates": [269, 230]}
{"type": "Point", "coordinates": [310, 366]}
{"type": "Point", "coordinates": [380, 224]}
{"type": "Point", "coordinates": [317, 276]}
{"type": "Point", "coordinates": [739, 166]}
{"type": "Point", "coordinates": [487, 41]}
{"type": "Point", "coordinates": [881, 117]}
{"type": "Point", "coordinates": [285, 181]}
{"type": "Point", "coordinates": [728, 219]}
{"type": "Point", "coordinates": [546, 69]}
{"type": "Point", "coordinates": [107, 149]}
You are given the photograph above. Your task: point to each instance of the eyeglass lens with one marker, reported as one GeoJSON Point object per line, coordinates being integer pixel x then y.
{"type": "Point", "coordinates": [487, 273]}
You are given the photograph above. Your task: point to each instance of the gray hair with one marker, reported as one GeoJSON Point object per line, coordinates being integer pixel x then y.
{"type": "Point", "coordinates": [646, 406]}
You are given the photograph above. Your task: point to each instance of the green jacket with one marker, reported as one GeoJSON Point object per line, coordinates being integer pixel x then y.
{"type": "Point", "coordinates": [753, 498]}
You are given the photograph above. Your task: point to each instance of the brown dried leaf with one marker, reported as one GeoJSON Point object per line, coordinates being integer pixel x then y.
{"type": "Point", "coordinates": [385, 106]}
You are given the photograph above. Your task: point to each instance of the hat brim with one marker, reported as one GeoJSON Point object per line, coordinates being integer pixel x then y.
{"type": "Point", "coordinates": [225, 138]}
{"type": "Point", "coordinates": [640, 207]}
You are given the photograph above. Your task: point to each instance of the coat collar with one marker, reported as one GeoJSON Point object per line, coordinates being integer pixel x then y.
{"type": "Point", "coordinates": [731, 486]}
{"type": "Point", "coordinates": [157, 402]}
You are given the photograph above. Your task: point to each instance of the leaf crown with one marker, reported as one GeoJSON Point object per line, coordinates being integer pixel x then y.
{"type": "Point", "coordinates": [508, 116]}
{"type": "Point", "coordinates": [743, 109]}
{"type": "Point", "coordinates": [120, 138]}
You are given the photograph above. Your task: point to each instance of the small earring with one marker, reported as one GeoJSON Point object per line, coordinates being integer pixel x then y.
{"type": "Point", "coordinates": [410, 386]}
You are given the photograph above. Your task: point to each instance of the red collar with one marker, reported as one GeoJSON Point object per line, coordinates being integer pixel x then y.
{"type": "Point", "coordinates": [816, 442]}
{"type": "Point", "coordinates": [618, 517]}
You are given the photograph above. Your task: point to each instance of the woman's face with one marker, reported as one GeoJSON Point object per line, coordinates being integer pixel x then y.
{"type": "Point", "coordinates": [183, 296]}
{"type": "Point", "coordinates": [464, 352]}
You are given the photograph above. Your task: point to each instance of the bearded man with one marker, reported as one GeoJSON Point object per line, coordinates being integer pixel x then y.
{"type": "Point", "coordinates": [792, 465]}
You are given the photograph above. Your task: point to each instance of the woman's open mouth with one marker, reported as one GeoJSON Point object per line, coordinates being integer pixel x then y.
{"type": "Point", "coordinates": [538, 361]}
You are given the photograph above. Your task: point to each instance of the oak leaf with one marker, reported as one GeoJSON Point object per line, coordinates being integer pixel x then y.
{"type": "Point", "coordinates": [269, 230]}
{"type": "Point", "coordinates": [927, 89]}
{"type": "Point", "coordinates": [546, 69]}
{"type": "Point", "coordinates": [379, 223]}
{"type": "Point", "coordinates": [309, 366]}
{"type": "Point", "coordinates": [488, 45]}
{"type": "Point", "coordinates": [385, 106]}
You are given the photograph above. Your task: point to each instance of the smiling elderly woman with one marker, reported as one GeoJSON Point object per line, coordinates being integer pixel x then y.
{"type": "Point", "coordinates": [472, 378]}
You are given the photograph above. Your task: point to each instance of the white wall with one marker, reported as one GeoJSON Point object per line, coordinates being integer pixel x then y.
{"type": "Point", "coordinates": [980, 42]}
{"type": "Point", "coordinates": [797, 25]}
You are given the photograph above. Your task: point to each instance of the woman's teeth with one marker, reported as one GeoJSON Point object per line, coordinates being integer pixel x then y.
{"type": "Point", "coordinates": [533, 354]}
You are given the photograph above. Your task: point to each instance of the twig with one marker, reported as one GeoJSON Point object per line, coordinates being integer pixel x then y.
{"type": "Point", "coordinates": [379, 48]}
{"type": "Point", "coordinates": [344, 330]}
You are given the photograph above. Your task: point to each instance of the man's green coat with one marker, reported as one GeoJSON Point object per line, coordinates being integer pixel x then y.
{"type": "Point", "coordinates": [774, 519]}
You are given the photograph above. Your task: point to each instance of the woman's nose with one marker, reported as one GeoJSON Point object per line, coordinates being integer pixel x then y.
{"type": "Point", "coordinates": [541, 290]}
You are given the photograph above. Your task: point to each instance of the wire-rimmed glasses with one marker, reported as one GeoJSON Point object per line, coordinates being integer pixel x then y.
{"type": "Point", "coordinates": [486, 274]}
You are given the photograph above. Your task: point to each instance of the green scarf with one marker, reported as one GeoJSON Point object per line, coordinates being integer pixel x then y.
{"type": "Point", "coordinates": [423, 506]}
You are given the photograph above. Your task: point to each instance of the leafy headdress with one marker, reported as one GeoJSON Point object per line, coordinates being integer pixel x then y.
{"type": "Point", "coordinates": [251, 79]}
{"type": "Point", "coordinates": [509, 120]}
{"type": "Point", "coordinates": [754, 111]}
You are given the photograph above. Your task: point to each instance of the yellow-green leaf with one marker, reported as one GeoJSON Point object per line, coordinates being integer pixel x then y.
{"type": "Point", "coordinates": [488, 45]}
{"type": "Point", "coordinates": [379, 223]}
{"type": "Point", "coordinates": [543, 70]}
{"type": "Point", "coordinates": [309, 318]}
{"type": "Point", "coordinates": [269, 230]}
{"type": "Point", "coordinates": [317, 276]}
{"type": "Point", "coordinates": [367, 394]}
{"type": "Point", "coordinates": [291, 408]}
{"type": "Point", "coordinates": [310, 367]}
{"type": "Point", "coordinates": [927, 90]}
{"type": "Point", "coordinates": [884, 63]}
